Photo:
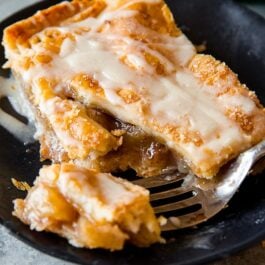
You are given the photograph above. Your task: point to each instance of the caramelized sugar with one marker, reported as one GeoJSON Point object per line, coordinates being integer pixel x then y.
{"type": "Point", "coordinates": [139, 151]}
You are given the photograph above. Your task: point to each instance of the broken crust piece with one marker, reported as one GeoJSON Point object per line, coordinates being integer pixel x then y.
{"type": "Point", "coordinates": [128, 59]}
{"type": "Point", "coordinates": [90, 209]}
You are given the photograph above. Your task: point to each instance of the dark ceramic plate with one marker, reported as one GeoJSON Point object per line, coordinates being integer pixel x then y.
{"type": "Point", "coordinates": [234, 35]}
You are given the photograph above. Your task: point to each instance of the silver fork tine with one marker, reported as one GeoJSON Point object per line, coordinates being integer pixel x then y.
{"type": "Point", "coordinates": [212, 197]}
{"type": "Point", "coordinates": [160, 180]}
{"type": "Point", "coordinates": [169, 193]}
{"type": "Point", "coordinates": [183, 221]}
{"type": "Point", "coordinates": [176, 205]}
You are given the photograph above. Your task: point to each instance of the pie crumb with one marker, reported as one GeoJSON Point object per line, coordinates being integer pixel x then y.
{"type": "Point", "coordinates": [201, 47]}
{"type": "Point", "coordinates": [20, 185]}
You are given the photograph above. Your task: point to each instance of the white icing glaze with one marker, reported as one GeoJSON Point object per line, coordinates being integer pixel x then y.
{"type": "Point", "coordinates": [97, 194]}
{"type": "Point", "coordinates": [23, 132]}
{"type": "Point", "coordinates": [95, 23]}
{"type": "Point", "coordinates": [244, 103]}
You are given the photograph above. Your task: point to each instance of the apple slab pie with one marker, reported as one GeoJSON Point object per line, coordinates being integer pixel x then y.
{"type": "Point", "coordinates": [116, 85]}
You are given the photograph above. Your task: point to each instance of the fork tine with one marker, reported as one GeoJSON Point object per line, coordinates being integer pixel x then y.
{"type": "Point", "coordinates": [169, 193]}
{"type": "Point", "coordinates": [176, 205]}
{"type": "Point", "coordinates": [159, 180]}
{"type": "Point", "coordinates": [183, 221]}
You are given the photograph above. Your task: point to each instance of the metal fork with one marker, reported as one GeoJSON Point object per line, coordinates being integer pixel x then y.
{"type": "Point", "coordinates": [193, 200]}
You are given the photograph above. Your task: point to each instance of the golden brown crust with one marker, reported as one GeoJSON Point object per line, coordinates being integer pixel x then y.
{"type": "Point", "coordinates": [78, 134]}
{"type": "Point", "coordinates": [214, 73]}
{"type": "Point", "coordinates": [19, 33]}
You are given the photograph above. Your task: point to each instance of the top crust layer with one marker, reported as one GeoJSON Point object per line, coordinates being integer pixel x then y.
{"type": "Point", "coordinates": [129, 58]}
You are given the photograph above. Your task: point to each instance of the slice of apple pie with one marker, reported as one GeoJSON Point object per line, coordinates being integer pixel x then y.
{"type": "Point", "coordinates": [89, 208]}
{"type": "Point", "coordinates": [115, 84]}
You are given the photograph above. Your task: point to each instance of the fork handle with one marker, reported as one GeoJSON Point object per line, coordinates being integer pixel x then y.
{"type": "Point", "coordinates": [233, 177]}
{"type": "Point", "coordinates": [257, 152]}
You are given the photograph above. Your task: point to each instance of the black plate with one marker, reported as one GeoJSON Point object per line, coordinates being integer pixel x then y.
{"type": "Point", "coordinates": [234, 35]}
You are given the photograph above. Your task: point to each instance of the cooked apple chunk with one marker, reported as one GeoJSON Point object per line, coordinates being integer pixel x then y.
{"type": "Point", "coordinates": [89, 208]}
